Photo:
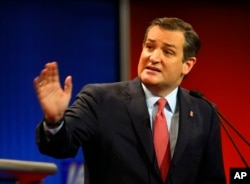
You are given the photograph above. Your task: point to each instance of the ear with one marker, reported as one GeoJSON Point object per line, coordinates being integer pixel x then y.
{"type": "Point", "coordinates": [188, 65]}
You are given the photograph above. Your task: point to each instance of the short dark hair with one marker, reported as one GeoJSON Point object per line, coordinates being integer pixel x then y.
{"type": "Point", "coordinates": [192, 41]}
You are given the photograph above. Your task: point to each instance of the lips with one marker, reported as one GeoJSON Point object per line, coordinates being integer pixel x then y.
{"type": "Point", "coordinates": [153, 68]}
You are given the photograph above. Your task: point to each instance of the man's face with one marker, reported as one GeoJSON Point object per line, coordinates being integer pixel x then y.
{"type": "Point", "coordinates": [161, 67]}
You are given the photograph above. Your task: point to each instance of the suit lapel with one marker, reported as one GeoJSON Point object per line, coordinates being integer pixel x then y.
{"type": "Point", "coordinates": [186, 120]}
{"type": "Point", "coordinates": [137, 109]}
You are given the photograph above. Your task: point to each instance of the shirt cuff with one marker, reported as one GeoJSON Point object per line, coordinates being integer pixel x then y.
{"type": "Point", "coordinates": [52, 130]}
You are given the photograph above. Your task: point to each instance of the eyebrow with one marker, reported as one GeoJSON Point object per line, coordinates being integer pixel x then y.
{"type": "Point", "coordinates": [166, 44]}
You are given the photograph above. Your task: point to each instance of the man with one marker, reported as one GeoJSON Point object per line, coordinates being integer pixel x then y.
{"type": "Point", "coordinates": [114, 123]}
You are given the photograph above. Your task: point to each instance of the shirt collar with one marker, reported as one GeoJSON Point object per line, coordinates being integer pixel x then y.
{"type": "Point", "coordinates": [152, 99]}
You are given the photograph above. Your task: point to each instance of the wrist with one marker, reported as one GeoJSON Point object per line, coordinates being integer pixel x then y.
{"type": "Point", "coordinates": [50, 124]}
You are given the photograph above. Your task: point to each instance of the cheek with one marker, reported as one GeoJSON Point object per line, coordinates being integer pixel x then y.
{"type": "Point", "coordinates": [140, 67]}
{"type": "Point", "coordinates": [142, 63]}
{"type": "Point", "coordinates": [173, 71]}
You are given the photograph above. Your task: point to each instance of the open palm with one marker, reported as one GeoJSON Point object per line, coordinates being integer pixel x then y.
{"type": "Point", "coordinates": [52, 97]}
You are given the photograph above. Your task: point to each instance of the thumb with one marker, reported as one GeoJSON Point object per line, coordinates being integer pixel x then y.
{"type": "Point", "coordinates": [68, 85]}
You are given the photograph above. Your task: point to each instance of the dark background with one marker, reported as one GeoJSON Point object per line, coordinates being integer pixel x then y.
{"type": "Point", "coordinates": [82, 36]}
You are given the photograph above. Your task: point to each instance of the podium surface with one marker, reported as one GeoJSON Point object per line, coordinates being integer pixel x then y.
{"type": "Point", "coordinates": [25, 172]}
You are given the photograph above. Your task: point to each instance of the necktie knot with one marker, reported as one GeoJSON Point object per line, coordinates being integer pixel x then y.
{"type": "Point", "coordinates": [161, 103]}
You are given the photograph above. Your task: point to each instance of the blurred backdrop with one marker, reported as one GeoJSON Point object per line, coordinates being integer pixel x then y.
{"type": "Point", "coordinates": [82, 36]}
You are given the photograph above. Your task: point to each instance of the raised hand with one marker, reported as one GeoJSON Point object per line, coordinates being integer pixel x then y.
{"type": "Point", "coordinates": [53, 99]}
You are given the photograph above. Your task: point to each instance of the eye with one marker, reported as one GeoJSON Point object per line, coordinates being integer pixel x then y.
{"type": "Point", "coordinates": [168, 52]}
{"type": "Point", "coordinates": [148, 46]}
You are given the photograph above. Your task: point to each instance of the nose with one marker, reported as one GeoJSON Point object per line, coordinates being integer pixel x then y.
{"type": "Point", "coordinates": [155, 56]}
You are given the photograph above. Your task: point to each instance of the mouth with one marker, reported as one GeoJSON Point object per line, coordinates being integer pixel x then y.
{"type": "Point", "coordinates": [151, 68]}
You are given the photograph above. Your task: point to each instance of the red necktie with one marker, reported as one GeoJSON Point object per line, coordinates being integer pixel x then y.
{"type": "Point", "coordinates": [161, 139]}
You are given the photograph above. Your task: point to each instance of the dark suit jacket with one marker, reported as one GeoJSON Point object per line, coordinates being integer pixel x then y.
{"type": "Point", "coordinates": [111, 124]}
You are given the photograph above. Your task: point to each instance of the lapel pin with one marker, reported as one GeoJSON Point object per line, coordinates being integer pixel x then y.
{"type": "Point", "coordinates": [191, 114]}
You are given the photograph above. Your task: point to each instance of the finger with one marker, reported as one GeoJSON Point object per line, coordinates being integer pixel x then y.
{"type": "Point", "coordinates": [54, 72]}
{"type": "Point", "coordinates": [45, 73]}
{"type": "Point", "coordinates": [44, 76]}
{"type": "Point", "coordinates": [48, 72]}
{"type": "Point", "coordinates": [36, 83]}
{"type": "Point", "coordinates": [68, 85]}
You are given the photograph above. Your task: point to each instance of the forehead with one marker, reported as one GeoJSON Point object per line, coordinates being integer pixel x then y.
{"type": "Point", "coordinates": [160, 35]}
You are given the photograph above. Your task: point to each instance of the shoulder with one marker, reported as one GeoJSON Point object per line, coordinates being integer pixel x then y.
{"type": "Point", "coordinates": [120, 87]}
{"type": "Point", "coordinates": [106, 86]}
{"type": "Point", "coordinates": [185, 96]}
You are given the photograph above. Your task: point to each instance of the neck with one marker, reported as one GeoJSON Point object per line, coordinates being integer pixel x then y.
{"type": "Point", "coordinates": [160, 91]}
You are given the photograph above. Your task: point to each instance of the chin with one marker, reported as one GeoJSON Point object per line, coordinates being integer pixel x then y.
{"type": "Point", "coordinates": [148, 81]}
